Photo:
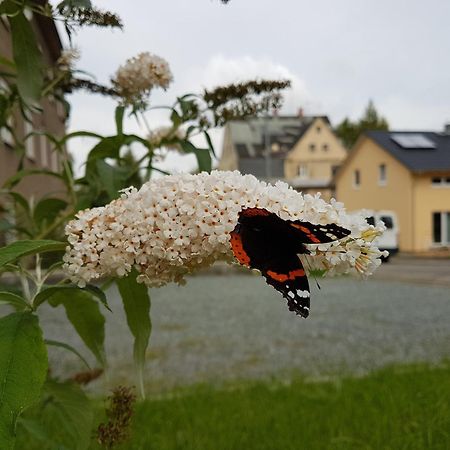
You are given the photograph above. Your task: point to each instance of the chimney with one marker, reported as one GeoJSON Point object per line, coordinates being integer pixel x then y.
{"type": "Point", "coordinates": [300, 113]}
{"type": "Point", "coordinates": [447, 129]}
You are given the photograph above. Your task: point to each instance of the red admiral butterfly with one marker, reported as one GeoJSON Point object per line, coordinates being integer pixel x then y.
{"type": "Point", "coordinates": [263, 241]}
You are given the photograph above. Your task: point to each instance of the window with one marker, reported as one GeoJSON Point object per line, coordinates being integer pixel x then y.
{"type": "Point", "coordinates": [5, 135]}
{"type": "Point", "coordinates": [30, 150]}
{"type": "Point", "coordinates": [325, 147]}
{"type": "Point", "coordinates": [54, 161]}
{"type": "Point", "coordinates": [441, 228]}
{"type": "Point", "coordinates": [356, 178]}
{"type": "Point", "coordinates": [43, 147]}
{"type": "Point", "coordinates": [318, 129]}
{"type": "Point", "coordinates": [302, 171]}
{"type": "Point", "coordinates": [334, 170]}
{"type": "Point", "coordinates": [382, 178]}
{"type": "Point", "coordinates": [388, 222]}
{"type": "Point", "coordinates": [312, 147]}
{"type": "Point", "coordinates": [371, 220]}
{"type": "Point", "coordinates": [441, 181]}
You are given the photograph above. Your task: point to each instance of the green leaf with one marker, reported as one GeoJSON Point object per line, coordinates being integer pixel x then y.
{"type": "Point", "coordinates": [76, 134]}
{"type": "Point", "coordinates": [203, 156]}
{"type": "Point", "coordinates": [3, 60]}
{"type": "Point", "coordinates": [113, 178]}
{"type": "Point", "coordinates": [13, 299]}
{"type": "Point", "coordinates": [23, 248]}
{"type": "Point", "coordinates": [23, 369]}
{"type": "Point", "coordinates": [175, 118]}
{"type": "Point", "coordinates": [48, 209]}
{"type": "Point", "coordinates": [210, 144]}
{"type": "Point", "coordinates": [9, 7]}
{"type": "Point", "coordinates": [67, 347]}
{"type": "Point", "coordinates": [66, 289]}
{"type": "Point", "coordinates": [67, 415]}
{"type": "Point", "coordinates": [84, 314]}
{"type": "Point", "coordinates": [120, 110]}
{"type": "Point", "coordinates": [19, 199]}
{"type": "Point", "coordinates": [108, 147]}
{"type": "Point", "coordinates": [27, 57]}
{"type": "Point", "coordinates": [136, 302]}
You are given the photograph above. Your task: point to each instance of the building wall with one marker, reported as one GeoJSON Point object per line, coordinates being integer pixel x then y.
{"type": "Point", "coordinates": [428, 198]}
{"type": "Point", "coordinates": [396, 195]}
{"type": "Point", "coordinates": [38, 148]}
{"type": "Point", "coordinates": [319, 162]}
{"type": "Point", "coordinates": [228, 159]}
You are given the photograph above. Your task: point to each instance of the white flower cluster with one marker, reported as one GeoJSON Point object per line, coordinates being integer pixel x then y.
{"type": "Point", "coordinates": [176, 224]}
{"type": "Point", "coordinates": [167, 137]}
{"type": "Point", "coordinates": [140, 74]}
{"type": "Point", "coordinates": [67, 59]}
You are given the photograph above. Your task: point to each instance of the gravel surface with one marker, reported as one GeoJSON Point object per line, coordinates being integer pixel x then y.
{"type": "Point", "coordinates": [225, 327]}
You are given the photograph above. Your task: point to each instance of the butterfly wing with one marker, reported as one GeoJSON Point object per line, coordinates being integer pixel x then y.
{"type": "Point", "coordinates": [310, 233]}
{"type": "Point", "coordinates": [288, 276]}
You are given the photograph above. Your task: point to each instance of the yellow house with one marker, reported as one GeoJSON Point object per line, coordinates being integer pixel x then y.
{"type": "Point", "coordinates": [405, 172]}
{"type": "Point", "coordinates": [312, 162]}
{"type": "Point", "coordinates": [301, 150]}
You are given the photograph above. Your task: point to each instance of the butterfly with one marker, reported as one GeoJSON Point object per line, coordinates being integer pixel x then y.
{"type": "Point", "coordinates": [262, 240]}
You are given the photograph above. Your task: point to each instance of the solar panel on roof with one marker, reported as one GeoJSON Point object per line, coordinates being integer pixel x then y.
{"type": "Point", "coordinates": [413, 140]}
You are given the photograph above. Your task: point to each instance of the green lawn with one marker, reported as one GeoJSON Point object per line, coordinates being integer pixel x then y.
{"type": "Point", "coordinates": [395, 408]}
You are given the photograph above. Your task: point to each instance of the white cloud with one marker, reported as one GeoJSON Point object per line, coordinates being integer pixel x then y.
{"type": "Point", "coordinates": [97, 115]}
{"type": "Point", "coordinates": [221, 70]}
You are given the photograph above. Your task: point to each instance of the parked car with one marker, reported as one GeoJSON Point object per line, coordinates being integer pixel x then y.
{"type": "Point", "coordinates": [389, 239]}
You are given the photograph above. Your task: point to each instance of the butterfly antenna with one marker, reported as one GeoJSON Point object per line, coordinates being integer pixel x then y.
{"type": "Point", "coordinates": [312, 273]}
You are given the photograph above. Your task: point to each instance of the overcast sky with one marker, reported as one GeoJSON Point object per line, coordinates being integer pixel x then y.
{"type": "Point", "coordinates": [338, 55]}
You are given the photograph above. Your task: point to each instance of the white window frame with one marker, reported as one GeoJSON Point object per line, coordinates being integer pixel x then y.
{"type": "Point", "coordinates": [302, 171]}
{"type": "Point", "coordinates": [382, 175]}
{"type": "Point", "coordinates": [356, 185]}
{"type": "Point", "coordinates": [445, 237]}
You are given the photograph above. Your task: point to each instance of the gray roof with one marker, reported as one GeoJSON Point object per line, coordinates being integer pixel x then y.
{"type": "Point", "coordinates": [248, 135]}
{"type": "Point", "coordinates": [417, 159]}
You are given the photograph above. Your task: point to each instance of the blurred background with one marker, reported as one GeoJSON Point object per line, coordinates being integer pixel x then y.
{"type": "Point", "coordinates": [366, 120]}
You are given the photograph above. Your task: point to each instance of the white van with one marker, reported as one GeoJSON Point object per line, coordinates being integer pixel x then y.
{"type": "Point", "coordinates": [389, 239]}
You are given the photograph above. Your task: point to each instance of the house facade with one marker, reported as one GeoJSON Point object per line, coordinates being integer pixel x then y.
{"type": "Point", "coordinates": [52, 117]}
{"type": "Point", "coordinates": [404, 172]}
{"type": "Point", "coordinates": [301, 150]}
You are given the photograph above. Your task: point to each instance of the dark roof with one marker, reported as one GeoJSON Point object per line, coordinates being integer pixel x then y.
{"type": "Point", "coordinates": [249, 135]}
{"type": "Point", "coordinates": [435, 159]}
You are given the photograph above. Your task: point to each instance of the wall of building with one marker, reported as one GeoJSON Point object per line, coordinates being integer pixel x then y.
{"type": "Point", "coordinates": [228, 159]}
{"type": "Point", "coordinates": [428, 198]}
{"type": "Point", "coordinates": [39, 151]}
{"type": "Point", "coordinates": [396, 195]}
{"type": "Point", "coordinates": [328, 152]}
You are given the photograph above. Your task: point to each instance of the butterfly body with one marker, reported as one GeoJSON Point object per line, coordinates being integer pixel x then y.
{"type": "Point", "coordinates": [263, 241]}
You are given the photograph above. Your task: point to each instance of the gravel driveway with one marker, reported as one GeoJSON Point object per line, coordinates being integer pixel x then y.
{"type": "Point", "coordinates": [224, 327]}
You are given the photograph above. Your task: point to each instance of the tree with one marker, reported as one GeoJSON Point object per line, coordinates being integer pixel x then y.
{"type": "Point", "coordinates": [349, 131]}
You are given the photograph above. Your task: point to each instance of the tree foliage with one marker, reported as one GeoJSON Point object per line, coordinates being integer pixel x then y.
{"type": "Point", "coordinates": [349, 131]}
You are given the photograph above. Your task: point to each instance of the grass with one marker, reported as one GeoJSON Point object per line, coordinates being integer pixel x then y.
{"type": "Point", "coordinates": [402, 407]}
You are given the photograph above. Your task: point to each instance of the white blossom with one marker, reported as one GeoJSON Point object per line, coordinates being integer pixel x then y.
{"type": "Point", "coordinates": [140, 74]}
{"type": "Point", "coordinates": [67, 59]}
{"type": "Point", "coordinates": [179, 223]}
{"type": "Point", "coordinates": [167, 137]}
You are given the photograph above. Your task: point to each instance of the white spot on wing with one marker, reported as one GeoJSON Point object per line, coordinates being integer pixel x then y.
{"type": "Point", "coordinates": [303, 294]}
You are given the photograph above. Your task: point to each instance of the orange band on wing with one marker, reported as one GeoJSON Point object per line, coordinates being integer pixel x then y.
{"type": "Point", "coordinates": [282, 277]}
{"type": "Point", "coordinates": [308, 233]}
{"type": "Point", "coordinates": [249, 212]}
{"type": "Point", "coordinates": [238, 249]}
